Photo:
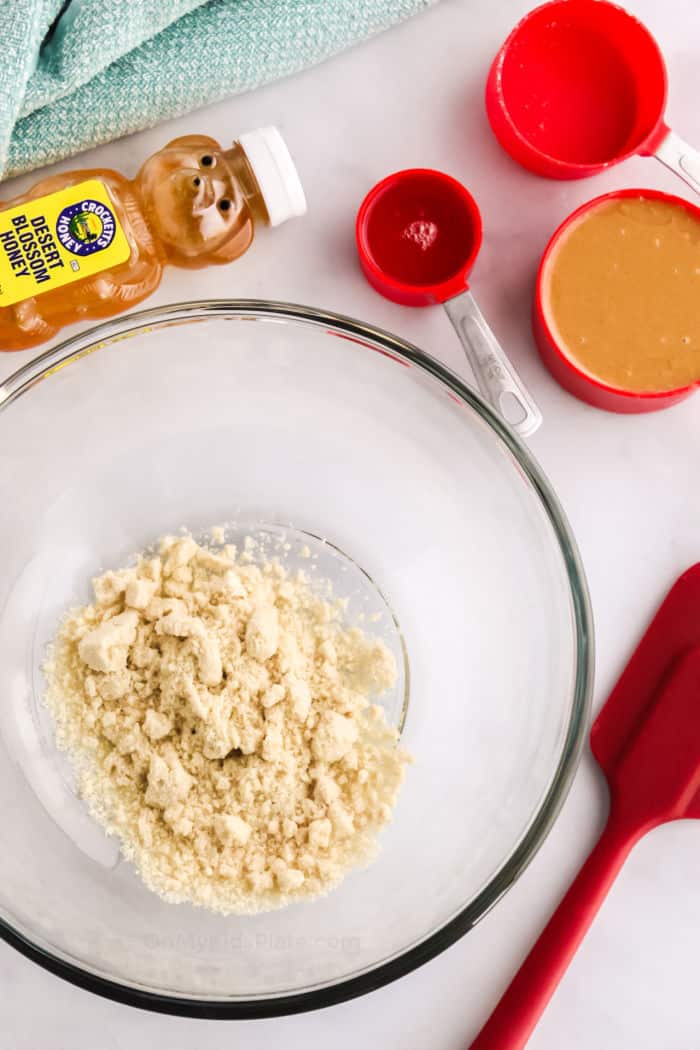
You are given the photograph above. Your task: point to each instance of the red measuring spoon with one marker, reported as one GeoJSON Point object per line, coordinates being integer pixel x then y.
{"type": "Point", "coordinates": [647, 741]}
{"type": "Point", "coordinates": [580, 85]}
{"type": "Point", "coordinates": [418, 235]}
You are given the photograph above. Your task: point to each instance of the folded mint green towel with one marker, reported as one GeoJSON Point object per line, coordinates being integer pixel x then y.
{"type": "Point", "coordinates": [77, 74]}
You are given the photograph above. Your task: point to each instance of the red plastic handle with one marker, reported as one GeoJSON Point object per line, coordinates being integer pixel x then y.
{"type": "Point", "coordinates": [511, 1024]}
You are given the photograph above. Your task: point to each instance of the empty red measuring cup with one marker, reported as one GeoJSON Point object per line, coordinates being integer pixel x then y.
{"type": "Point", "coordinates": [647, 741]}
{"type": "Point", "coordinates": [418, 235]}
{"type": "Point", "coordinates": [580, 85]}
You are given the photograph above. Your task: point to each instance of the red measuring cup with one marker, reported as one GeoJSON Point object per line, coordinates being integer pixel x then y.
{"type": "Point", "coordinates": [418, 235]}
{"type": "Point", "coordinates": [580, 85]}
{"type": "Point", "coordinates": [560, 362]}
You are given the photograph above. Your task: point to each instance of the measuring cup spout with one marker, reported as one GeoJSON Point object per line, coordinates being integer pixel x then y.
{"type": "Point", "coordinates": [496, 377]}
{"type": "Point", "coordinates": [681, 158]}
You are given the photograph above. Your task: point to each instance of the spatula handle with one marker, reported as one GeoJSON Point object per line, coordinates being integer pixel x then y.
{"type": "Point", "coordinates": [521, 1006]}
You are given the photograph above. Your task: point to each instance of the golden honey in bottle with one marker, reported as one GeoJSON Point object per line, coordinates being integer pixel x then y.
{"type": "Point", "coordinates": [90, 244]}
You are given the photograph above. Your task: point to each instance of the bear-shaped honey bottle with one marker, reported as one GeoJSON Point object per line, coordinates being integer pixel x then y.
{"type": "Point", "coordinates": [92, 243]}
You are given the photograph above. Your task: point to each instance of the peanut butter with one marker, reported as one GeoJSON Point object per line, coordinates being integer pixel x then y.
{"type": "Point", "coordinates": [622, 293]}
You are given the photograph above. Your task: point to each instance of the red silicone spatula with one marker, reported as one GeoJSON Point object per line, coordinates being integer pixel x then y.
{"type": "Point", "coordinates": [647, 741]}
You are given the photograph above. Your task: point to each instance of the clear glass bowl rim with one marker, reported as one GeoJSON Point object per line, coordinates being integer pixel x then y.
{"type": "Point", "coordinates": [99, 336]}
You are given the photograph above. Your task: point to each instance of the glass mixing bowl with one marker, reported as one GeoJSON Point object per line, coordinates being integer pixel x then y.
{"type": "Point", "coordinates": [225, 411]}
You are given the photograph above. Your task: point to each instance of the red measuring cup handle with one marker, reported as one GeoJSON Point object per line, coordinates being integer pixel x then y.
{"type": "Point", "coordinates": [521, 1006]}
{"type": "Point", "coordinates": [671, 150]}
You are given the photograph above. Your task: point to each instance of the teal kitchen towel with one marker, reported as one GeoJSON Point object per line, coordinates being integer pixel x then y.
{"type": "Point", "coordinates": [76, 74]}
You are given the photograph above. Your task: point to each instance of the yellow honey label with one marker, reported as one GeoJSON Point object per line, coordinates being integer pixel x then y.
{"type": "Point", "coordinates": [54, 240]}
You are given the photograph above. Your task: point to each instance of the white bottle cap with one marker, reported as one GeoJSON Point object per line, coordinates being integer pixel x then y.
{"type": "Point", "coordinates": [275, 173]}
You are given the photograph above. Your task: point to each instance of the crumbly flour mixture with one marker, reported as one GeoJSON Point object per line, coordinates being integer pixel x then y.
{"type": "Point", "coordinates": [219, 717]}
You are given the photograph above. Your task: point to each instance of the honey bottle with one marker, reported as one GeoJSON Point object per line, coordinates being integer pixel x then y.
{"type": "Point", "coordinates": [92, 243]}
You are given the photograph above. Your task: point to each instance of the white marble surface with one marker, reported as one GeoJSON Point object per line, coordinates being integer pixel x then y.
{"type": "Point", "coordinates": [629, 485]}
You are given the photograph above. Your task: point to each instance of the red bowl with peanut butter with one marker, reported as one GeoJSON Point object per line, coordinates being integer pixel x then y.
{"type": "Point", "coordinates": [617, 305]}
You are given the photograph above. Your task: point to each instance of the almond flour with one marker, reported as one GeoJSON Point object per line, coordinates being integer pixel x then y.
{"type": "Point", "coordinates": [219, 718]}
